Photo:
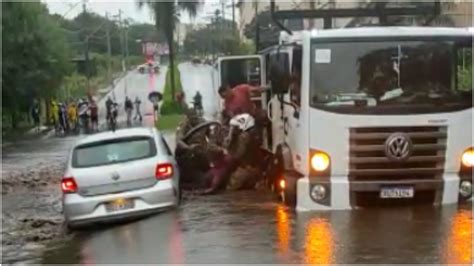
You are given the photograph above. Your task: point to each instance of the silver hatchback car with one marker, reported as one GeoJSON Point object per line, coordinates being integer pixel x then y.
{"type": "Point", "coordinates": [115, 175]}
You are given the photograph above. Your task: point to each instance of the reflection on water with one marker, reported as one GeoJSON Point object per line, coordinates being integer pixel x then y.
{"type": "Point", "coordinates": [283, 230]}
{"type": "Point", "coordinates": [457, 247]}
{"type": "Point", "coordinates": [246, 228]}
{"type": "Point", "coordinates": [319, 242]}
{"type": "Point", "coordinates": [175, 243]}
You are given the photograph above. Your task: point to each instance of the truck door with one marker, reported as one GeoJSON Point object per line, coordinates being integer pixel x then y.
{"type": "Point", "coordinates": [292, 122]}
{"type": "Point", "coordinates": [236, 70]}
{"type": "Point", "coordinates": [251, 69]}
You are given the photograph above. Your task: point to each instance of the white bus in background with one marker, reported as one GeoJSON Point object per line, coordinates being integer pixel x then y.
{"type": "Point", "coordinates": [366, 115]}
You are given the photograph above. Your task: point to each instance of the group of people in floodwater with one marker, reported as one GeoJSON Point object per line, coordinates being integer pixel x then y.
{"type": "Point", "coordinates": [223, 157]}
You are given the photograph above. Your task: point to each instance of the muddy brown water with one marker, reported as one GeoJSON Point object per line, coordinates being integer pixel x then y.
{"type": "Point", "coordinates": [239, 227]}
{"type": "Point", "coordinates": [250, 227]}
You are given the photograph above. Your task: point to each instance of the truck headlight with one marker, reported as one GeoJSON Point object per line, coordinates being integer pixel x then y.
{"type": "Point", "coordinates": [318, 192]}
{"type": "Point", "coordinates": [465, 189]}
{"type": "Point", "coordinates": [320, 161]}
{"type": "Point", "coordinates": [468, 158]}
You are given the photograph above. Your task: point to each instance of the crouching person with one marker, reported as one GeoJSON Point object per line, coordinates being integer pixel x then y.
{"type": "Point", "coordinates": [236, 168]}
{"type": "Point", "coordinates": [191, 154]}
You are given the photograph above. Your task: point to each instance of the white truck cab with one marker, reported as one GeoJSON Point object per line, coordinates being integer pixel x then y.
{"type": "Point", "coordinates": [364, 115]}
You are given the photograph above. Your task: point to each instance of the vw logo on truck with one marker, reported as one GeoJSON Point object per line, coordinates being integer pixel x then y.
{"type": "Point", "coordinates": [398, 147]}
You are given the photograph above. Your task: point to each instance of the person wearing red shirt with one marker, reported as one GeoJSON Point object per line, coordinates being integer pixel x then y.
{"type": "Point", "coordinates": [237, 100]}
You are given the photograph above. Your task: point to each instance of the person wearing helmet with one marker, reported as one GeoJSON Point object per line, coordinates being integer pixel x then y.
{"type": "Point", "coordinates": [238, 169]}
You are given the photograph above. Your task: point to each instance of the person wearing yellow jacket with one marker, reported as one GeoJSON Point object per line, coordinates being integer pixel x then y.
{"type": "Point", "coordinates": [54, 114]}
{"type": "Point", "coordinates": [72, 115]}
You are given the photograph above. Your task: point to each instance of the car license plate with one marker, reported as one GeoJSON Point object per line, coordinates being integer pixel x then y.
{"type": "Point", "coordinates": [397, 193]}
{"type": "Point", "coordinates": [119, 205]}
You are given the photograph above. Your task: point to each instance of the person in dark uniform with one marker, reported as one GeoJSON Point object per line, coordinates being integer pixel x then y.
{"type": "Point", "coordinates": [192, 155]}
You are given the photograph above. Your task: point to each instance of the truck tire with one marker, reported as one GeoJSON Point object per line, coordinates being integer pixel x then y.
{"type": "Point", "coordinates": [290, 190]}
{"type": "Point", "coordinates": [276, 172]}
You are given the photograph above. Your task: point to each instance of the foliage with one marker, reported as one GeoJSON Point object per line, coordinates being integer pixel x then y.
{"type": "Point", "coordinates": [465, 78]}
{"type": "Point", "coordinates": [169, 122]}
{"type": "Point", "coordinates": [269, 32]}
{"type": "Point", "coordinates": [35, 56]}
{"type": "Point", "coordinates": [219, 37]}
{"type": "Point", "coordinates": [95, 26]}
{"type": "Point", "coordinates": [170, 106]}
{"type": "Point", "coordinates": [166, 15]}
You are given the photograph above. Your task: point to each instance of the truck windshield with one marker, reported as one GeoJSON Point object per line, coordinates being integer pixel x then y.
{"type": "Point", "coordinates": [392, 76]}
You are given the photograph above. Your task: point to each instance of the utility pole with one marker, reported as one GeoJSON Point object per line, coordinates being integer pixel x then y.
{"type": "Point", "coordinates": [233, 14]}
{"type": "Point", "coordinates": [223, 12]}
{"type": "Point", "coordinates": [109, 49]}
{"type": "Point", "coordinates": [122, 46]}
{"type": "Point", "coordinates": [257, 31]}
{"type": "Point", "coordinates": [86, 49]}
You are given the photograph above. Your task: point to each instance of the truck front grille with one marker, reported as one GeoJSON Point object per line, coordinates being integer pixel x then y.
{"type": "Point", "coordinates": [368, 161]}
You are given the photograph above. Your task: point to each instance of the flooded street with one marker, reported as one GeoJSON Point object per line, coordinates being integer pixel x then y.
{"type": "Point", "coordinates": [250, 227]}
{"type": "Point", "coordinates": [234, 227]}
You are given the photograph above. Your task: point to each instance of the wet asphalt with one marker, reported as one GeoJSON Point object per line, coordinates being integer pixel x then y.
{"type": "Point", "coordinates": [247, 226]}
{"type": "Point", "coordinates": [251, 227]}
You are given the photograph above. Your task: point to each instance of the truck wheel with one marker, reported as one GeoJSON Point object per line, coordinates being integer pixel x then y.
{"type": "Point", "coordinates": [290, 190]}
{"type": "Point", "coordinates": [276, 172]}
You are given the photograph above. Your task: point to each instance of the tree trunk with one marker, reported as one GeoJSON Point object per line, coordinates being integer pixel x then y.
{"type": "Point", "coordinates": [171, 57]}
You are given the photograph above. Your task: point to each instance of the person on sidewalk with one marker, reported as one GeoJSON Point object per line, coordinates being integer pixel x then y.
{"type": "Point", "coordinates": [35, 115]}
{"type": "Point", "coordinates": [128, 110]}
{"type": "Point", "coordinates": [138, 114]}
{"type": "Point", "coordinates": [94, 115]}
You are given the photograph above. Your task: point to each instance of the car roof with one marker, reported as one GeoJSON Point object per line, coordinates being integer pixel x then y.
{"type": "Point", "coordinates": [120, 133]}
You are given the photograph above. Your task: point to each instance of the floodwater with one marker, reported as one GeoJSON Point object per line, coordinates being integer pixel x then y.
{"type": "Point", "coordinates": [251, 227]}
{"type": "Point", "coordinates": [234, 227]}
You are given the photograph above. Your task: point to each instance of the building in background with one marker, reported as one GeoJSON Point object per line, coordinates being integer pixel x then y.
{"type": "Point", "coordinates": [460, 12]}
{"type": "Point", "coordinates": [457, 13]}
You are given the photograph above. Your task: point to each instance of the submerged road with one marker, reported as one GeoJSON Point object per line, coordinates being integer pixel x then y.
{"type": "Point", "coordinates": [32, 169]}
{"type": "Point", "coordinates": [251, 227]}
{"type": "Point", "coordinates": [239, 227]}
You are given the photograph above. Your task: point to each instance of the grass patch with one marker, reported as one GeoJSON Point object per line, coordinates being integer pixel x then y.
{"type": "Point", "coordinates": [169, 122]}
{"type": "Point", "coordinates": [170, 106]}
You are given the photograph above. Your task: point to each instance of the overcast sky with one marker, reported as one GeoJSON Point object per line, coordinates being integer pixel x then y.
{"type": "Point", "coordinates": [129, 7]}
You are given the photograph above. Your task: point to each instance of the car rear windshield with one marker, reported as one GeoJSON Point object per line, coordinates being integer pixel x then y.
{"type": "Point", "coordinates": [113, 151]}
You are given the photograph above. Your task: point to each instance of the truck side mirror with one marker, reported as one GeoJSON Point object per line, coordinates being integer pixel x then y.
{"type": "Point", "coordinates": [279, 78]}
{"type": "Point", "coordinates": [296, 114]}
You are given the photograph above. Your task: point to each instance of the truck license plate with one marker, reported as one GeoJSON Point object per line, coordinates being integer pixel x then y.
{"type": "Point", "coordinates": [119, 205]}
{"type": "Point", "coordinates": [397, 193]}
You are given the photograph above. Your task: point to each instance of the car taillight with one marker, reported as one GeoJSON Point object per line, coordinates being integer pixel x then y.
{"type": "Point", "coordinates": [68, 185]}
{"type": "Point", "coordinates": [164, 171]}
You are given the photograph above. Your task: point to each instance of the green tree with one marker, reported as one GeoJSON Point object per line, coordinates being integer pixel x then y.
{"type": "Point", "coordinates": [269, 32]}
{"type": "Point", "coordinates": [35, 56]}
{"type": "Point", "coordinates": [166, 15]}
{"type": "Point", "coordinates": [218, 37]}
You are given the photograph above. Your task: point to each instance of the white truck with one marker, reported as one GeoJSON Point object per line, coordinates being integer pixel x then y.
{"type": "Point", "coordinates": [365, 115]}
